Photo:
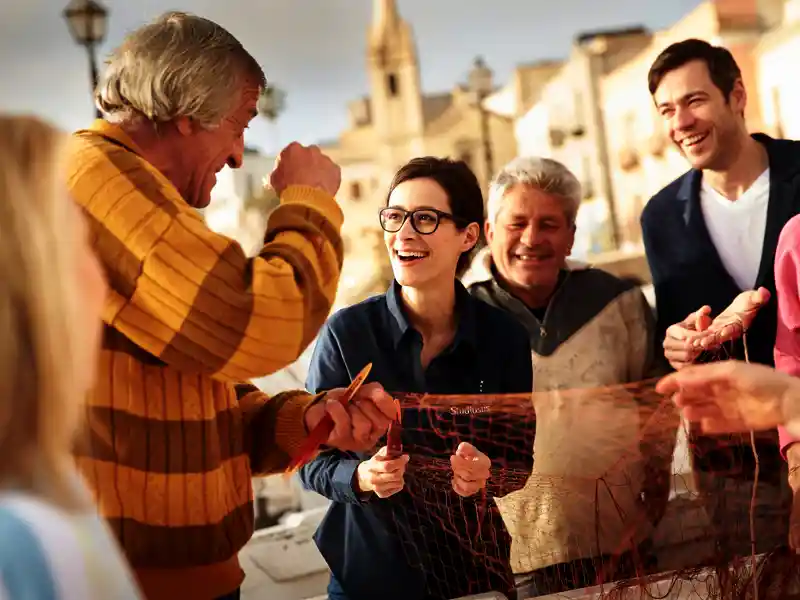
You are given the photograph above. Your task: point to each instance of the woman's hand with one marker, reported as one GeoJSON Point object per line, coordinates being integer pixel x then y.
{"type": "Point", "coordinates": [380, 475]}
{"type": "Point", "coordinates": [471, 470]}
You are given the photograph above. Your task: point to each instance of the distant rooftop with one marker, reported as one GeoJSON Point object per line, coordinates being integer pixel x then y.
{"type": "Point", "coordinates": [615, 32]}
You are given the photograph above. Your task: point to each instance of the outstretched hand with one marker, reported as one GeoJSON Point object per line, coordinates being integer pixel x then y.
{"type": "Point", "coordinates": [685, 341]}
{"type": "Point", "coordinates": [733, 396]}
{"type": "Point", "coordinates": [731, 323]}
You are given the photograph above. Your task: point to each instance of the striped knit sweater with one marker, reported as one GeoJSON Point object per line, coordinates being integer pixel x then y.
{"type": "Point", "coordinates": [174, 435]}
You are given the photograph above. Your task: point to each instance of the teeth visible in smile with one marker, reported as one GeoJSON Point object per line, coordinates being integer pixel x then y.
{"type": "Point", "coordinates": [693, 139]}
{"type": "Point", "coordinates": [411, 254]}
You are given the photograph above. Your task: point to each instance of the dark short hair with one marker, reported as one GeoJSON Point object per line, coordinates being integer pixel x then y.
{"type": "Point", "coordinates": [462, 189]}
{"type": "Point", "coordinates": [722, 67]}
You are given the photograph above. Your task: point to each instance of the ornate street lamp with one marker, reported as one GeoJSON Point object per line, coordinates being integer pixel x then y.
{"type": "Point", "coordinates": [271, 102]}
{"type": "Point", "coordinates": [481, 85]}
{"type": "Point", "coordinates": [87, 21]}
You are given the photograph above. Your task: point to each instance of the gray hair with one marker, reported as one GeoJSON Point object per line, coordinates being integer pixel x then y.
{"type": "Point", "coordinates": [544, 174]}
{"type": "Point", "coordinates": [179, 65]}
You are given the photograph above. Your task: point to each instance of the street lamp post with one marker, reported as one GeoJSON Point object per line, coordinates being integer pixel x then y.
{"type": "Point", "coordinates": [87, 21]}
{"type": "Point", "coordinates": [481, 85]}
{"type": "Point", "coordinates": [271, 102]}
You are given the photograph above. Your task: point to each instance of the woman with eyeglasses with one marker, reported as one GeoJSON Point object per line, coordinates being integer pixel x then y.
{"type": "Point", "coordinates": [421, 523]}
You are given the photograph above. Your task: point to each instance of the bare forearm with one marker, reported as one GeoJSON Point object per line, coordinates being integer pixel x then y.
{"type": "Point", "coordinates": [793, 459]}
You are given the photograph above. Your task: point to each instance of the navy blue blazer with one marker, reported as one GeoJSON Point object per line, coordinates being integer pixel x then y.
{"type": "Point", "coordinates": [688, 273]}
{"type": "Point", "coordinates": [426, 541]}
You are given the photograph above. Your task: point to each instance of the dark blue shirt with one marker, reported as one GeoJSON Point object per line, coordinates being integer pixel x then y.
{"type": "Point", "coordinates": [425, 541]}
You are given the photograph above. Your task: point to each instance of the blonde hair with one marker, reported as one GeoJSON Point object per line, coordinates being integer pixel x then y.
{"type": "Point", "coordinates": [180, 65]}
{"type": "Point", "coordinates": [40, 346]}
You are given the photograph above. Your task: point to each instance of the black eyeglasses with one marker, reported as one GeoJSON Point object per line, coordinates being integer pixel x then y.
{"type": "Point", "coordinates": [424, 220]}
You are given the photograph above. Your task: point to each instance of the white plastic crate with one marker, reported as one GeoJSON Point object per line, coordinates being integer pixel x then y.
{"type": "Point", "coordinates": [287, 551]}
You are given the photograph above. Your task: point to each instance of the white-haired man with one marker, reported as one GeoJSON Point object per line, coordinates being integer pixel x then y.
{"type": "Point", "coordinates": [600, 482]}
{"type": "Point", "coordinates": [174, 431]}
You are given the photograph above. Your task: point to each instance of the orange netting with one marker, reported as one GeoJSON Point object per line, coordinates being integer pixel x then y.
{"type": "Point", "coordinates": [607, 499]}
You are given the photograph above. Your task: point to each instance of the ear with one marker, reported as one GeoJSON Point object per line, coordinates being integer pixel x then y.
{"type": "Point", "coordinates": [488, 230]}
{"type": "Point", "coordinates": [571, 240]}
{"type": "Point", "coordinates": [184, 126]}
{"type": "Point", "coordinates": [473, 232]}
{"type": "Point", "coordinates": [738, 98]}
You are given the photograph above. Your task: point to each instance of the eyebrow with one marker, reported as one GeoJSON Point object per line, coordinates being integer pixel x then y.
{"type": "Point", "coordinates": [686, 96]}
{"type": "Point", "coordinates": [410, 209]}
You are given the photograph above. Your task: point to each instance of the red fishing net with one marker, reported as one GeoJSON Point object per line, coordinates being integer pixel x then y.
{"type": "Point", "coordinates": [604, 498]}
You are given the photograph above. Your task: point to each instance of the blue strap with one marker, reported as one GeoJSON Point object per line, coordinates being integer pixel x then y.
{"type": "Point", "coordinates": [24, 567]}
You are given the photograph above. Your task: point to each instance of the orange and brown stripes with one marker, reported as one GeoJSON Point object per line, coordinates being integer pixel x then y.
{"type": "Point", "coordinates": [169, 447]}
{"type": "Point", "coordinates": [317, 306]}
{"type": "Point", "coordinates": [192, 298]}
{"type": "Point", "coordinates": [157, 446]}
{"type": "Point", "coordinates": [149, 546]}
{"type": "Point", "coordinates": [169, 500]}
{"type": "Point", "coordinates": [272, 434]}
{"type": "Point", "coordinates": [151, 391]}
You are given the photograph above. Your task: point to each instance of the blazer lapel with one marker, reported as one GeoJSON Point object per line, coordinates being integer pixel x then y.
{"type": "Point", "coordinates": [698, 237]}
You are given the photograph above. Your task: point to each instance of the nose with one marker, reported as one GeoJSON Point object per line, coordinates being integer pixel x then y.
{"type": "Point", "coordinates": [682, 119]}
{"type": "Point", "coordinates": [237, 155]}
{"type": "Point", "coordinates": [407, 230]}
{"type": "Point", "coordinates": [528, 237]}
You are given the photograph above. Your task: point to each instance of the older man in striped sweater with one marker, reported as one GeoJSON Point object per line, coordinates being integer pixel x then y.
{"type": "Point", "coordinates": [174, 431]}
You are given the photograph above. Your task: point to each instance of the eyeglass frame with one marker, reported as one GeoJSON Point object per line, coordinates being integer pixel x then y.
{"type": "Point", "coordinates": [440, 214]}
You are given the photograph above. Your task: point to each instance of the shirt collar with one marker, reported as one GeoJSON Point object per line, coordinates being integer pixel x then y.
{"type": "Point", "coordinates": [112, 132]}
{"type": "Point", "coordinates": [466, 332]}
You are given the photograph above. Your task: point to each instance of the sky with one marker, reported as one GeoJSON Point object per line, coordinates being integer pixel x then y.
{"type": "Point", "coordinates": [314, 50]}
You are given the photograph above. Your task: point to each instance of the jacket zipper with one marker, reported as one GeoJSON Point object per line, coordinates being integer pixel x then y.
{"type": "Point", "coordinates": [542, 328]}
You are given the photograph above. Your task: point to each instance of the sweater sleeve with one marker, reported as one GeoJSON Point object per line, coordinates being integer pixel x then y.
{"type": "Point", "coordinates": [787, 285]}
{"type": "Point", "coordinates": [331, 473]}
{"type": "Point", "coordinates": [274, 427]}
{"type": "Point", "coordinates": [189, 296]}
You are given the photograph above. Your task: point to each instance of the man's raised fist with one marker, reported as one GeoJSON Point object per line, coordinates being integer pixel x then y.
{"type": "Point", "coordinates": [305, 165]}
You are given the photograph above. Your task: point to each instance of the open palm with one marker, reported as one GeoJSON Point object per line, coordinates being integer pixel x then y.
{"type": "Point", "coordinates": [731, 323]}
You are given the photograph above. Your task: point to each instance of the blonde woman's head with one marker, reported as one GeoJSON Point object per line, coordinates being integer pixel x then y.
{"type": "Point", "coordinates": [186, 90]}
{"type": "Point", "coordinates": [51, 295]}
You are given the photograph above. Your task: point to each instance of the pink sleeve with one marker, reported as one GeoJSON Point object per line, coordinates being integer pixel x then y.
{"type": "Point", "coordinates": [787, 285]}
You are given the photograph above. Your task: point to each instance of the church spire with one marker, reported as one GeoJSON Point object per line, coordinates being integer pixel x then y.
{"type": "Point", "coordinates": [385, 17]}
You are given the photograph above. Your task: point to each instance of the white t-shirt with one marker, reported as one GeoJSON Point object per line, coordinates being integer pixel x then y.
{"type": "Point", "coordinates": [737, 228]}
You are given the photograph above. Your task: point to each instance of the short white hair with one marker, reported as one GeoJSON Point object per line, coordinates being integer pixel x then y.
{"type": "Point", "coordinates": [179, 65]}
{"type": "Point", "coordinates": [544, 174]}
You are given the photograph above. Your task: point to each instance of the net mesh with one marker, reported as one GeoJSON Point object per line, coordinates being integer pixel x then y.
{"type": "Point", "coordinates": [586, 489]}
